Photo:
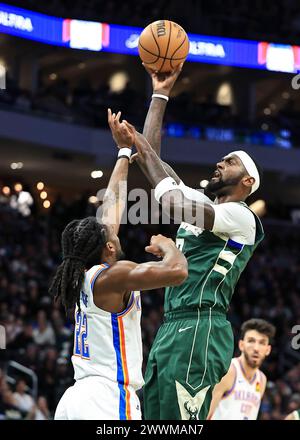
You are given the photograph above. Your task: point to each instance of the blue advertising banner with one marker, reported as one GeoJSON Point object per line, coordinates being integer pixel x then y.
{"type": "Point", "coordinates": [88, 35]}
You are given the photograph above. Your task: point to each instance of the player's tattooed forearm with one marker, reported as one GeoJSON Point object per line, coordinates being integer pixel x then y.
{"type": "Point", "coordinates": [153, 123]}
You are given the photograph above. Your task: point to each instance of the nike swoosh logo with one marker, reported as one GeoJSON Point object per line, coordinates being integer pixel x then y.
{"type": "Point", "coordinates": [183, 329]}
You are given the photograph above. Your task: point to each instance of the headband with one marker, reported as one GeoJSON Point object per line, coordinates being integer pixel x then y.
{"type": "Point", "coordinates": [250, 167]}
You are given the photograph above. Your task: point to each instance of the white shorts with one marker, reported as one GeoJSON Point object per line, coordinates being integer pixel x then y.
{"type": "Point", "coordinates": [96, 398]}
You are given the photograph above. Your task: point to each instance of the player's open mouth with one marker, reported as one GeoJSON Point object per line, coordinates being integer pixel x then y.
{"type": "Point", "coordinates": [216, 175]}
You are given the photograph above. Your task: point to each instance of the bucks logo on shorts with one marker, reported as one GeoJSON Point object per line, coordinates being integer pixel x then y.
{"type": "Point", "coordinates": [190, 406]}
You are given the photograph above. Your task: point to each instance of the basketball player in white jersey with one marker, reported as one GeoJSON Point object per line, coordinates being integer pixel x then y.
{"type": "Point", "coordinates": [239, 394]}
{"type": "Point", "coordinates": [107, 355]}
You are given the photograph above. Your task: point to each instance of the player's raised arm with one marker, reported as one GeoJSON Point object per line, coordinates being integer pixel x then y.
{"type": "Point", "coordinates": [172, 196]}
{"type": "Point", "coordinates": [127, 275]}
{"type": "Point", "coordinates": [114, 200]}
{"type": "Point", "coordinates": [162, 84]}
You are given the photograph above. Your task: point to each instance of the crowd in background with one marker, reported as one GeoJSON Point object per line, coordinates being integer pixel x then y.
{"type": "Point", "coordinates": [87, 105]}
{"type": "Point", "coordinates": [40, 336]}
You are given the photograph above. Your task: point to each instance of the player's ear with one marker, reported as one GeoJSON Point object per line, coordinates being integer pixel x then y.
{"type": "Point", "coordinates": [248, 181]}
{"type": "Point", "coordinates": [110, 247]}
{"type": "Point", "coordinates": [241, 345]}
{"type": "Point", "coordinates": [269, 349]}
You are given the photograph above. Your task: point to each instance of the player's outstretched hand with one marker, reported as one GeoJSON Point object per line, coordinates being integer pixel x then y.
{"type": "Point", "coordinates": [158, 245]}
{"type": "Point", "coordinates": [164, 82]}
{"type": "Point", "coordinates": [123, 135]}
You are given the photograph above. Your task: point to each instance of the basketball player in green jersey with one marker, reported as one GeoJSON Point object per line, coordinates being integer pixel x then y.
{"type": "Point", "coordinates": [193, 348]}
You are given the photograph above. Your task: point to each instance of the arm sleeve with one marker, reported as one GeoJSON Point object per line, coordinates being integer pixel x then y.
{"type": "Point", "coordinates": [236, 221]}
{"type": "Point", "coordinates": [194, 194]}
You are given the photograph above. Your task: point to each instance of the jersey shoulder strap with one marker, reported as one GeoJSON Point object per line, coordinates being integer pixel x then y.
{"type": "Point", "coordinates": [93, 273]}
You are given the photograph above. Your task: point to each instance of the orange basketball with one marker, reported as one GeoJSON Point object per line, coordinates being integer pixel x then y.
{"type": "Point", "coordinates": [163, 45]}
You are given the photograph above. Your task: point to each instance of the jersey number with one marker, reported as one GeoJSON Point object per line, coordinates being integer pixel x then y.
{"type": "Point", "coordinates": [180, 243]}
{"type": "Point", "coordinates": [81, 347]}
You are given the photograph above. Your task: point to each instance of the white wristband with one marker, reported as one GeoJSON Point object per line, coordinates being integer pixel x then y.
{"type": "Point", "coordinates": [164, 186]}
{"type": "Point", "coordinates": [125, 152]}
{"type": "Point", "coordinates": [158, 95]}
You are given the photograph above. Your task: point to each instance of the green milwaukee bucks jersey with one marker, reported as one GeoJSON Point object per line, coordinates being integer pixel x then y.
{"type": "Point", "coordinates": [215, 263]}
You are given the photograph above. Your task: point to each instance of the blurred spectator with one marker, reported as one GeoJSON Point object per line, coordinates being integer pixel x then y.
{"type": "Point", "coordinates": [43, 334]}
{"type": "Point", "coordinates": [42, 411]}
{"type": "Point", "coordinates": [24, 401]}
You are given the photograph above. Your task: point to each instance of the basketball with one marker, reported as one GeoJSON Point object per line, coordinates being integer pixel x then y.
{"type": "Point", "coordinates": [163, 45]}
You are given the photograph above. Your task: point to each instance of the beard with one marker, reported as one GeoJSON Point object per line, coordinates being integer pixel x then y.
{"type": "Point", "coordinates": [252, 363]}
{"type": "Point", "coordinates": [221, 187]}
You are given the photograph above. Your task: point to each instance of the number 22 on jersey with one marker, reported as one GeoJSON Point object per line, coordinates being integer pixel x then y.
{"type": "Point", "coordinates": [81, 347]}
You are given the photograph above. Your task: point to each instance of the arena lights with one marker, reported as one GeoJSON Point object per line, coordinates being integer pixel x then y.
{"type": "Point", "coordinates": [18, 187]}
{"type": "Point", "coordinates": [118, 82]}
{"type": "Point", "coordinates": [46, 204]}
{"type": "Point", "coordinates": [2, 75]}
{"type": "Point", "coordinates": [6, 190]}
{"type": "Point", "coordinates": [16, 165]}
{"type": "Point", "coordinates": [53, 76]}
{"type": "Point", "coordinates": [225, 94]}
{"type": "Point", "coordinates": [89, 35]}
{"type": "Point", "coordinates": [204, 183]}
{"type": "Point", "coordinates": [40, 186]}
{"type": "Point", "coordinates": [43, 195]}
{"type": "Point", "coordinates": [96, 174]}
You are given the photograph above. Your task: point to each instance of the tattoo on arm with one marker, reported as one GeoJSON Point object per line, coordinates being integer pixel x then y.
{"type": "Point", "coordinates": [153, 123]}
{"type": "Point", "coordinates": [168, 169]}
{"type": "Point", "coordinates": [152, 132]}
{"type": "Point", "coordinates": [171, 172]}
{"type": "Point", "coordinates": [174, 203]}
{"type": "Point", "coordinates": [200, 214]}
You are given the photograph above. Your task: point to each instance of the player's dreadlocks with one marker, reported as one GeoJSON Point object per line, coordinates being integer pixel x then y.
{"type": "Point", "coordinates": [82, 245]}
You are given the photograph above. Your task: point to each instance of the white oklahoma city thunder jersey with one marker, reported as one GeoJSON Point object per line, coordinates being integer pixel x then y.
{"type": "Point", "coordinates": [242, 401]}
{"type": "Point", "coordinates": [108, 344]}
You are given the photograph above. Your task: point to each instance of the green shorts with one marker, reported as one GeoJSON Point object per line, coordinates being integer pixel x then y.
{"type": "Point", "coordinates": [191, 353]}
